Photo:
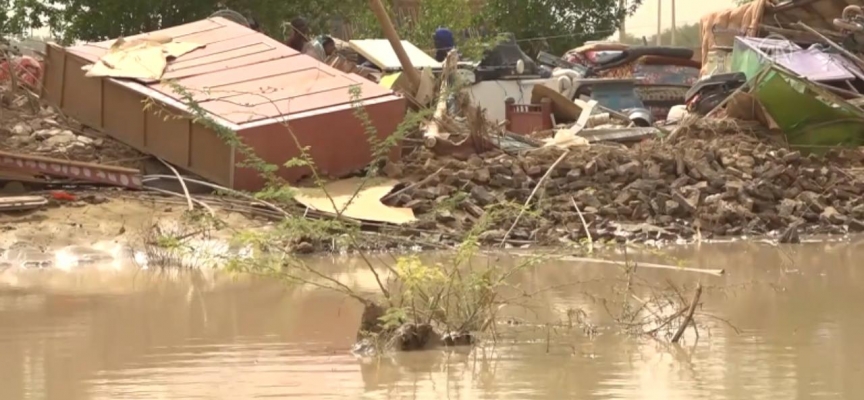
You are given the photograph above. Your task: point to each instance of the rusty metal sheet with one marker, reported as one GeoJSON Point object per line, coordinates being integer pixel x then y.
{"type": "Point", "coordinates": [126, 177]}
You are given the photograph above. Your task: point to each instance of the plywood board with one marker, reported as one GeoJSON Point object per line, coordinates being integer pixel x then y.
{"type": "Point", "coordinates": [365, 206]}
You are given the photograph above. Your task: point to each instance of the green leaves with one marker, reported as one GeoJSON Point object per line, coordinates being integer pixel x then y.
{"type": "Point", "coordinates": [552, 25]}
{"type": "Point", "coordinates": [555, 25]}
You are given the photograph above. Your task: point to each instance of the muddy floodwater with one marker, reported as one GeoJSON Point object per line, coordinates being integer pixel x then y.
{"type": "Point", "coordinates": [112, 332]}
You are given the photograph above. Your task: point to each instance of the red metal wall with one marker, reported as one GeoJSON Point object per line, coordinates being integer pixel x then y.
{"type": "Point", "coordinates": [337, 142]}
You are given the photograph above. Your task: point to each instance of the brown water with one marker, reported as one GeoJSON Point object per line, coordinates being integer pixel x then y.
{"type": "Point", "coordinates": [90, 333]}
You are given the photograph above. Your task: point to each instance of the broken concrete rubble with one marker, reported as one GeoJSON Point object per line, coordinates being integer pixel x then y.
{"type": "Point", "coordinates": [725, 185]}
{"type": "Point", "coordinates": [41, 134]}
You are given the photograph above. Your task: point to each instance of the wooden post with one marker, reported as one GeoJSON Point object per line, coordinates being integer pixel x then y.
{"type": "Point", "coordinates": [392, 36]}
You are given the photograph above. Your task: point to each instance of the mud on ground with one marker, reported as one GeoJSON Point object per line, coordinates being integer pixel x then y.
{"type": "Point", "coordinates": [92, 223]}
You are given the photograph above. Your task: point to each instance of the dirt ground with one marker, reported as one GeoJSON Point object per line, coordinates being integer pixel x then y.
{"type": "Point", "coordinates": [115, 221]}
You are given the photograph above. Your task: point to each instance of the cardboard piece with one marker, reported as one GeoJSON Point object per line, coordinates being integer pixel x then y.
{"type": "Point", "coordinates": [365, 206]}
{"type": "Point", "coordinates": [563, 108]}
{"type": "Point", "coordinates": [144, 59]}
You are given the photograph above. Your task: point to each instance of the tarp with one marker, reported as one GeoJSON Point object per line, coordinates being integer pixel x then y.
{"type": "Point", "coordinates": [717, 27]}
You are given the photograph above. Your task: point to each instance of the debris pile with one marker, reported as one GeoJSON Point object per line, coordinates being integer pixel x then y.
{"type": "Point", "coordinates": [724, 185]}
{"type": "Point", "coordinates": [40, 130]}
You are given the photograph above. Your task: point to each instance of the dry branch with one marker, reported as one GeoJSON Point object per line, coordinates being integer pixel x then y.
{"type": "Point", "coordinates": [689, 318]}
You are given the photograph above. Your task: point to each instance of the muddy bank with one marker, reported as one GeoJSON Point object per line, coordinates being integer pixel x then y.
{"type": "Point", "coordinates": [104, 227]}
{"type": "Point", "coordinates": [705, 184]}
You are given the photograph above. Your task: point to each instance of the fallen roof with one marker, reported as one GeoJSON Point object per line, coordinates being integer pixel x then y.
{"type": "Point", "coordinates": [243, 77]}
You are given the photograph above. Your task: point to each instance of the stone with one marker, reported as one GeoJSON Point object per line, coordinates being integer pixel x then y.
{"type": "Point", "coordinates": [87, 141]}
{"type": "Point", "coordinates": [22, 130]}
{"type": "Point", "coordinates": [491, 235]}
{"type": "Point", "coordinates": [420, 206]}
{"type": "Point", "coordinates": [43, 134]}
{"type": "Point", "coordinates": [503, 181]}
{"type": "Point", "coordinates": [791, 157]}
{"type": "Point", "coordinates": [20, 141]}
{"type": "Point", "coordinates": [734, 186]}
{"type": "Point", "coordinates": [445, 217]}
{"type": "Point", "coordinates": [684, 201]}
{"type": "Point", "coordinates": [788, 207]}
{"type": "Point", "coordinates": [391, 170]}
{"type": "Point", "coordinates": [429, 193]}
{"type": "Point", "coordinates": [655, 172]}
{"type": "Point", "coordinates": [672, 207]}
{"type": "Point", "coordinates": [482, 175]}
{"type": "Point", "coordinates": [630, 168]}
{"type": "Point", "coordinates": [534, 171]}
{"type": "Point", "coordinates": [812, 200]}
{"type": "Point", "coordinates": [856, 225]}
{"type": "Point", "coordinates": [465, 175]}
{"type": "Point", "coordinates": [574, 174]}
{"type": "Point", "coordinates": [483, 196]}
{"type": "Point", "coordinates": [831, 215]}
{"type": "Point", "coordinates": [713, 199]}
{"type": "Point", "coordinates": [587, 198]}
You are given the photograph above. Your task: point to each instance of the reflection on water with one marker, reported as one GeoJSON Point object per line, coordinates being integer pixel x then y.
{"type": "Point", "coordinates": [116, 333]}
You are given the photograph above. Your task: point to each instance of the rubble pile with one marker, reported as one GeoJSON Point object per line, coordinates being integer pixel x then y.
{"type": "Point", "coordinates": [46, 132]}
{"type": "Point", "coordinates": [719, 185]}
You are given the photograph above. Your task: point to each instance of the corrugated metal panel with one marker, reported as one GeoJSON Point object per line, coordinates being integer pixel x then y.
{"type": "Point", "coordinates": [244, 76]}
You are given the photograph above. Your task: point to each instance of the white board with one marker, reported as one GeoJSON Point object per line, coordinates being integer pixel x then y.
{"type": "Point", "coordinates": [380, 53]}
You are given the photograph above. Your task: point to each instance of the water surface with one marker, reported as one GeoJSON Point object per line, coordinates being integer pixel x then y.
{"type": "Point", "coordinates": [117, 333]}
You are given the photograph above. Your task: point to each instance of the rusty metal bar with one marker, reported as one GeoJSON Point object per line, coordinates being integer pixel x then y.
{"type": "Point", "coordinates": [91, 172]}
